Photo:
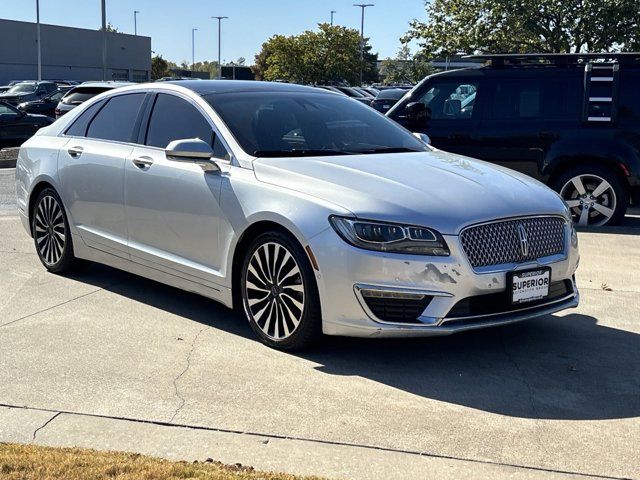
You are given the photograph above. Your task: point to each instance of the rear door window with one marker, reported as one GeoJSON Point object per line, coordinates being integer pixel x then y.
{"type": "Point", "coordinates": [117, 119]}
{"type": "Point", "coordinates": [629, 95]}
{"type": "Point", "coordinates": [79, 127]}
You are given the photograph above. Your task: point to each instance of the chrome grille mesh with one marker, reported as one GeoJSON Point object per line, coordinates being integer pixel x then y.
{"type": "Point", "coordinates": [499, 242]}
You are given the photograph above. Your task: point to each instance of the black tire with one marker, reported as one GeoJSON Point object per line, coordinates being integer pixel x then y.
{"type": "Point", "coordinates": [51, 234]}
{"type": "Point", "coordinates": [283, 296]}
{"type": "Point", "coordinates": [615, 198]}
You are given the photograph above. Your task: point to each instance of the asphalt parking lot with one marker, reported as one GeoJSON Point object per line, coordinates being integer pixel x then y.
{"type": "Point", "coordinates": [108, 360]}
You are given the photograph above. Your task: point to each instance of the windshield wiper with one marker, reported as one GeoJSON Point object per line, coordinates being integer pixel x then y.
{"type": "Point", "coordinates": [387, 150]}
{"type": "Point", "coordinates": [301, 153]}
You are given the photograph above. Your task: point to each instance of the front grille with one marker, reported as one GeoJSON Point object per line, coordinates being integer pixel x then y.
{"type": "Point", "coordinates": [394, 309]}
{"type": "Point", "coordinates": [500, 242]}
{"type": "Point", "coordinates": [498, 303]}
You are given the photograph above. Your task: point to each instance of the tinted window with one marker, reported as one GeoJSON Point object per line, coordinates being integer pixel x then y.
{"type": "Point", "coordinates": [535, 98]}
{"type": "Point", "coordinates": [117, 118]}
{"type": "Point", "coordinates": [629, 95]}
{"type": "Point", "coordinates": [79, 95]}
{"type": "Point", "coordinates": [79, 127]}
{"type": "Point", "coordinates": [174, 119]}
{"type": "Point", "coordinates": [23, 88]}
{"type": "Point", "coordinates": [297, 124]}
{"type": "Point", "coordinates": [451, 99]}
{"type": "Point", "coordinates": [6, 110]}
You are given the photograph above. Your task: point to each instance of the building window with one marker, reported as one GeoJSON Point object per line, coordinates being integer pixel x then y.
{"type": "Point", "coordinates": [120, 74]}
{"type": "Point", "coordinates": [140, 76]}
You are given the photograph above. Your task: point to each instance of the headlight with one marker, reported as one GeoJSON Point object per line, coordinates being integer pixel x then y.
{"type": "Point", "coordinates": [390, 237]}
{"type": "Point", "coordinates": [22, 105]}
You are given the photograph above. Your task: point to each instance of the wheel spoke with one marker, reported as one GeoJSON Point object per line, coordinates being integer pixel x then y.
{"type": "Point", "coordinates": [573, 203]}
{"type": "Point", "coordinates": [294, 319]}
{"type": "Point", "coordinates": [261, 279]}
{"type": "Point", "coordinates": [584, 217]}
{"type": "Point", "coordinates": [284, 317]}
{"type": "Point", "coordinates": [579, 186]}
{"type": "Point", "coordinates": [295, 301]}
{"type": "Point", "coordinates": [294, 271]}
{"type": "Point", "coordinates": [607, 212]}
{"type": "Point", "coordinates": [600, 189]}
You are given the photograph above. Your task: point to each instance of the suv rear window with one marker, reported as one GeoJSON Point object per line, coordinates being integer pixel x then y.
{"type": "Point", "coordinates": [629, 95]}
{"type": "Point", "coordinates": [79, 95]}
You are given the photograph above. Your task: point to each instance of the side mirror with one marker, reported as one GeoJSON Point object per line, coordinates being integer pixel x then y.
{"type": "Point", "coordinates": [423, 137]}
{"type": "Point", "coordinates": [417, 114]}
{"type": "Point", "coordinates": [192, 150]}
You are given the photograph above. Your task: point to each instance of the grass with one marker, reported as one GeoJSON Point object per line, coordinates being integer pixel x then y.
{"type": "Point", "coordinates": [31, 462]}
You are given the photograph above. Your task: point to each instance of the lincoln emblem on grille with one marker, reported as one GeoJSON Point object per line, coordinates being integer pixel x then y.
{"type": "Point", "coordinates": [524, 241]}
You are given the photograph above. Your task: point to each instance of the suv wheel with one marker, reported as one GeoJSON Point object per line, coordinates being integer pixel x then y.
{"type": "Point", "coordinates": [279, 293]}
{"type": "Point", "coordinates": [51, 232]}
{"type": "Point", "coordinates": [595, 195]}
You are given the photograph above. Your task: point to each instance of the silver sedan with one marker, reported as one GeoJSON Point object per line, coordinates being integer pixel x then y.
{"type": "Point", "coordinates": [304, 210]}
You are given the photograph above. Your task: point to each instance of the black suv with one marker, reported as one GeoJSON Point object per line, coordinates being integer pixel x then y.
{"type": "Point", "coordinates": [569, 120]}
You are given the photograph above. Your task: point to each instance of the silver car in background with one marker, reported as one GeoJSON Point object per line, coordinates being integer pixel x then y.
{"type": "Point", "coordinates": [306, 211]}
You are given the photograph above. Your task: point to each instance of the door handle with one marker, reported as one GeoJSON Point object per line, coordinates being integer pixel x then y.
{"type": "Point", "coordinates": [75, 152]}
{"type": "Point", "coordinates": [142, 163]}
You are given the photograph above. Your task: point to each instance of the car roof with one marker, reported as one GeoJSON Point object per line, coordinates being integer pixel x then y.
{"type": "Point", "coordinates": [391, 93]}
{"type": "Point", "coordinates": [205, 87]}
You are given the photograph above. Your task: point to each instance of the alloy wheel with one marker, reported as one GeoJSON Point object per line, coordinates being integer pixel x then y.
{"type": "Point", "coordinates": [591, 199]}
{"type": "Point", "coordinates": [49, 230]}
{"type": "Point", "coordinates": [274, 293]}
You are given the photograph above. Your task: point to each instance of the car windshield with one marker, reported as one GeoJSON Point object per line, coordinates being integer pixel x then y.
{"type": "Point", "coordinates": [298, 124]}
{"type": "Point", "coordinates": [23, 88]}
{"type": "Point", "coordinates": [80, 95]}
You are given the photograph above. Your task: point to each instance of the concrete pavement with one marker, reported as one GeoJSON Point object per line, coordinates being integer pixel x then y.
{"type": "Point", "coordinates": [108, 360]}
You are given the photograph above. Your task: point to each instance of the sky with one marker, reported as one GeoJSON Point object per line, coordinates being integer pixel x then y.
{"type": "Point", "coordinates": [250, 23]}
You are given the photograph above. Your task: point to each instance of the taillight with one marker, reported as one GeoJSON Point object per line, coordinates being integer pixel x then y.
{"type": "Point", "coordinates": [57, 111]}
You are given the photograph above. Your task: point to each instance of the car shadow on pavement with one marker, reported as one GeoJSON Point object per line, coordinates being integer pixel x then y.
{"type": "Point", "coordinates": [555, 367]}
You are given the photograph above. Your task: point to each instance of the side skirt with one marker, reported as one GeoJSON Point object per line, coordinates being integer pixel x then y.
{"type": "Point", "coordinates": [215, 292]}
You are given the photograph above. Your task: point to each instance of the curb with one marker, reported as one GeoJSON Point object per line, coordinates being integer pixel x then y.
{"type": "Point", "coordinates": [8, 157]}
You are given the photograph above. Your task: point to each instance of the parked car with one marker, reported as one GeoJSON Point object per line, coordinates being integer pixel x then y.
{"type": "Point", "coordinates": [26, 91]}
{"type": "Point", "coordinates": [4, 88]}
{"type": "Point", "coordinates": [373, 91]}
{"type": "Point", "coordinates": [17, 126]}
{"type": "Point", "coordinates": [387, 99]}
{"type": "Point", "coordinates": [353, 93]}
{"type": "Point", "coordinates": [532, 113]}
{"type": "Point", "coordinates": [83, 92]}
{"type": "Point", "coordinates": [306, 211]}
{"type": "Point", "coordinates": [46, 105]}
{"type": "Point", "coordinates": [364, 92]}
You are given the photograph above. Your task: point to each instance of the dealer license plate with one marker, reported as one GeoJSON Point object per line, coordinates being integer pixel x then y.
{"type": "Point", "coordinates": [530, 285]}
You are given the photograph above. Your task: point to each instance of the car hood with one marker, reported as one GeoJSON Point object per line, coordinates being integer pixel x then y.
{"type": "Point", "coordinates": [435, 189]}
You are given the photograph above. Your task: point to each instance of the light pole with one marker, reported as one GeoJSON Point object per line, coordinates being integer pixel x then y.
{"type": "Point", "coordinates": [38, 39]}
{"type": "Point", "coordinates": [332, 12]}
{"type": "Point", "coordinates": [135, 21]}
{"type": "Point", "coordinates": [219, 46]}
{"type": "Point", "coordinates": [104, 40]}
{"type": "Point", "coordinates": [362, 6]}
{"type": "Point", "coordinates": [193, 49]}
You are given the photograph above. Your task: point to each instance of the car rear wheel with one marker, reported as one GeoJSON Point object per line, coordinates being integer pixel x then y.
{"type": "Point", "coordinates": [51, 234]}
{"type": "Point", "coordinates": [279, 293]}
{"type": "Point", "coordinates": [596, 196]}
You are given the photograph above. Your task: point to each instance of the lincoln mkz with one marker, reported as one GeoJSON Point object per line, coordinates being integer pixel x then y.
{"type": "Point", "coordinates": [304, 210]}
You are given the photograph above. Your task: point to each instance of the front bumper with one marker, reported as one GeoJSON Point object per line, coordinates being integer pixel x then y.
{"type": "Point", "coordinates": [345, 271]}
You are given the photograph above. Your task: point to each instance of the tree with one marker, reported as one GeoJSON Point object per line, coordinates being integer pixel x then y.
{"type": "Point", "coordinates": [159, 67]}
{"type": "Point", "coordinates": [405, 67]}
{"type": "Point", "coordinates": [331, 53]}
{"type": "Point", "coordinates": [527, 26]}
{"type": "Point", "coordinates": [110, 28]}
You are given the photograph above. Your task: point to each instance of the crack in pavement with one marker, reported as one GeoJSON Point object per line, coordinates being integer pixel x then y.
{"type": "Point", "coordinates": [35, 432]}
{"type": "Point", "coordinates": [313, 440]}
{"type": "Point", "coordinates": [51, 307]}
{"type": "Point", "coordinates": [530, 392]}
{"type": "Point", "coordinates": [184, 371]}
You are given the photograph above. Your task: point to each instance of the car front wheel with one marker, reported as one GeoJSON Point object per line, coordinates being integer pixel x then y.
{"type": "Point", "coordinates": [279, 293]}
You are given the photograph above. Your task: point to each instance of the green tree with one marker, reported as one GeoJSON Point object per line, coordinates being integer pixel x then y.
{"type": "Point", "coordinates": [159, 67]}
{"type": "Point", "coordinates": [527, 26]}
{"type": "Point", "coordinates": [331, 53]}
{"type": "Point", "coordinates": [110, 28]}
{"type": "Point", "coordinates": [405, 67]}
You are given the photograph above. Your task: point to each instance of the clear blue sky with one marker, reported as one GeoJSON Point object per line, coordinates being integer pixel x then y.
{"type": "Point", "coordinates": [251, 22]}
